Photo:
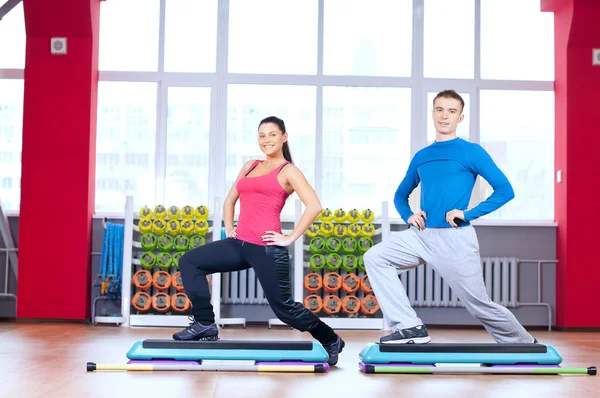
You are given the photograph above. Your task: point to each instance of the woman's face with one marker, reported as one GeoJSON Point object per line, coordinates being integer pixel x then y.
{"type": "Point", "coordinates": [271, 139]}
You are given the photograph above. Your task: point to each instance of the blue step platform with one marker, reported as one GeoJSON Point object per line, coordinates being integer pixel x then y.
{"type": "Point", "coordinates": [266, 351]}
{"type": "Point", "coordinates": [490, 354]}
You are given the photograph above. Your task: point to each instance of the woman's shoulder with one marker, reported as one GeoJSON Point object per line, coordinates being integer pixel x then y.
{"type": "Point", "coordinates": [250, 163]}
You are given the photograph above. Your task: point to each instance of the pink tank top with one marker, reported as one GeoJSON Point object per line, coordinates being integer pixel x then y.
{"type": "Point", "coordinates": [261, 201]}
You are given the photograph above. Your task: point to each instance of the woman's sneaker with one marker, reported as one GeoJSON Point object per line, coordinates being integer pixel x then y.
{"type": "Point", "coordinates": [415, 335]}
{"type": "Point", "coordinates": [197, 331]}
{"type": "Point", "coordinates": [334, 349]}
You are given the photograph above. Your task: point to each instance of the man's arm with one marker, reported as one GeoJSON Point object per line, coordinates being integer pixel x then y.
{"type": "Point", "coordinates": [484, 165]}
{"type": "Point", "coordinates": [408, 184]}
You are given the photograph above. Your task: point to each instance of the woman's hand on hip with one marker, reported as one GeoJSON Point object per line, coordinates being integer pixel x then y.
{"type": "Point", "coordinates": [276, 239]}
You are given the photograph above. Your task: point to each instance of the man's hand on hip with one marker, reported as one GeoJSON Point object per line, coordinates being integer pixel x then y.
{"type": "Point", "coordinates": [418, 220]}
{"type": "Point", "coordinates": [453, 214]}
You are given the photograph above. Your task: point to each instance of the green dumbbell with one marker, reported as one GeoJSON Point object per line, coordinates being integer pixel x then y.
{"type": "Point", "coordinates": [149, 242]}
{"type": "Point", "coordinates": [164, 260]}
{"type": "Point", "coordinates": [349, 245]}
{"type": "Point", "coordinates": [181, 242]}
{"type": "Point", "coordinates": [165, 243]}
{"type": "Point", "coordinates": [333, 245]}
{"type": "Point", "coordinates": [333, 262]}
{"type": "Point", "coordinates": [148, 260]}
{"type": "Point", "coordinates": [364, 244]}
{"type": "Point", "coordinates": [360, 264]}
{"type": "Point", "coordinates": [317, 262]}
{"type": "Point", "coordinates": [317, 245]}
{"type": "Point", "coordinates": [349, 263]}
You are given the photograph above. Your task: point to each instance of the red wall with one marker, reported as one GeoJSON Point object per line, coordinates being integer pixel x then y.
{"type": "Point", "coordinates": [58, 160]}
{"type": "Point", "coordinates": [577, 208]}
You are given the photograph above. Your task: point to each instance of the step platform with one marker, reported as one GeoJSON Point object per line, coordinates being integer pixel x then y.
{"type": "Point", "coordinates": [224, 355]}
{"type": "Point", "coordinates": [464, 358]}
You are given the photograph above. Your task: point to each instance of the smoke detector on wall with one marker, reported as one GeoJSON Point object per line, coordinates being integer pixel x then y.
{"type": "Point", "coordinates": [58, 45]}
{"type": "Point", "coordinates": [596, 55]}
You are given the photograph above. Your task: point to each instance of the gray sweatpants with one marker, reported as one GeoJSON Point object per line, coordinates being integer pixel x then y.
{"type": "Point", "coordinates": [454, 254]}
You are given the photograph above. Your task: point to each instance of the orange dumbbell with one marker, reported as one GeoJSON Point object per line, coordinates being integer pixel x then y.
{"type": "Point", "coordinates": [161, 302]}
{"type": "Point", "coordinates": [332, 282]}
{"type": "Point", "coordinates": [142, 279]}
{"type": "Point", "coordinates": [350, 305]}
{"type": "Point", "coordinates": [369, 305]}
{"type": "Point", "coordinates": [161, 280]}
{"type": "Point", "coordinates": [313, 303]}
{"type": "Point", "coordinates": [365, 286]}
{"type": "Point", "coordinates": [176, 281]}
{"type": "Point", "coordinates": [180, 302]}
{"type": "Point", "coordinates": [313, 282]}
{"type": "Point", "coordinates": [141, 301]}
{"type": "Point", "coordinates": [332, 304]}
{"type": "Point", "coordinates": [350, 283]}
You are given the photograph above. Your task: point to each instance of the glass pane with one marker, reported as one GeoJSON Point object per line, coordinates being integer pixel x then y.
{"type": "Point", "coordinates": [522, 145]}
{"type": "Point", "coordinates": [247, 105]}
{"type": "Point", "coordinates": [190, 36]}
{"type": "Point", "coordinates": [12, 39]}
{"type": "Point", "coordinates": [441, 59]}
{"type": "Point", "coordinates": [125, 46]}
{"type": "Point", "coordinates": [273, 36]}
{"type": "Point", "coordinates": [462, 130]}
{"type": "Point", "coordinates": [367, 38]}
{"type": "Point", "coordinates": [366, 146]}
{"type": "Point", "coordinates": [11, 137]}
{"type": "Point", "coordinates": [188, 131]}
{"type": "Point", "coordinates": [125, 145]}
{"type": "Point", "coordinates": [523, 49]}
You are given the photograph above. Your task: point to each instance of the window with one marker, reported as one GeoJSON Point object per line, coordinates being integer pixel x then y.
{"type": "Point", "coordinates": [126, 134]}
{"type": "Point", "coordinates": [273, 36]}
{"type": "Point", "coordinates": [366, 145]}
{"type": "Point", "coordinates": [525, 51]}
{"type": "Point", "coordinates": [129, 35]}
{"type": "Point", "coordinates": [522, 145]}
{"type": "Point", "coordinates": [12, 39]}
{"type": "Point", "coordinates": [188, 132]}
{"type": "Point", "coordinates": [11, 127]}
{"type": "Point", "coordinates": [449, 39]}
{"type": "Point", "coordinates": [248, 105]}
{"type": "Point", "coordinates": [368, 38]}
{"type": "Point", "coordinates": [463, 127]}
{"type": "Point", "coordinates": [190, 36]}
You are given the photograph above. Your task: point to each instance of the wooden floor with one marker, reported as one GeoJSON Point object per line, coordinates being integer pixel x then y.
{"type": "Point", "coordinates": [48, 360]}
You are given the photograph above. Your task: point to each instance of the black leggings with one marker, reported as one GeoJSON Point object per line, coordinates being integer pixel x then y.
{"type": "Point", "coordinates": [271, 265]}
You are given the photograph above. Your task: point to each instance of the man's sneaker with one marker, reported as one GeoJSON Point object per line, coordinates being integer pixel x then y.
{"type": "Point", "coordinates": [197, 331]}
{"type": "Point", "coordinates": [415, 335]}
{"type": "Point", "coordinates": [334, 349]}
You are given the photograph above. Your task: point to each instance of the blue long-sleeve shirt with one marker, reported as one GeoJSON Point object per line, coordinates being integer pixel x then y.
{"type": "Point", "coordinates": [447, 171]}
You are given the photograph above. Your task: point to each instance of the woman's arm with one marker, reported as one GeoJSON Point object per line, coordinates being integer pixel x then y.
{"type": "Point", "coordinates": [231, 199]}
{"type": "Point", "coordinates": [308, 196]}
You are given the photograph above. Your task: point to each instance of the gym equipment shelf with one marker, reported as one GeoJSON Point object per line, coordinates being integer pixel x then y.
{"type": "Point", "coordinates": [131, 265]}
{"type": "Point", "coordinates": [344, 298]}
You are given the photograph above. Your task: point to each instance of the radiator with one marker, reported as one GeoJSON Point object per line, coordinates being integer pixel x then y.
{"type": "Point", "coordinates": [241, 287]}
{"type": "Point", "coordinates": [425, 287]}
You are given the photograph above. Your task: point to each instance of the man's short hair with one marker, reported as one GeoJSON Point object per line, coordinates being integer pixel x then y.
{"type": "Point", "coordinates": [450, 94]}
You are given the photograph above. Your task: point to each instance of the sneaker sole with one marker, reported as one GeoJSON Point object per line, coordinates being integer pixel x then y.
{"type": "Point", "coordinates": [417, 340]}
{"type": "Point", "coordinates": [206, 338]}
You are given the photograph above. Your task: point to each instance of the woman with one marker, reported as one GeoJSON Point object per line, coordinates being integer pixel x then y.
{"type": "Point", "coordinates": [262, 187]}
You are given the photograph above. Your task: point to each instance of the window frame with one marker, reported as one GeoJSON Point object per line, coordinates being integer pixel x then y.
{"type": "Point", "coordinates": [219, 81]}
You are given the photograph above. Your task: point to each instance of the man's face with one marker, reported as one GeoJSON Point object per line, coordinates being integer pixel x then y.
{"type": "Point", "coordinates": [447, 113]}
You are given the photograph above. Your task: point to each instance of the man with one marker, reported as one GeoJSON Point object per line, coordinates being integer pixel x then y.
{"type": "Point", "coordinates": [440, 234]}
